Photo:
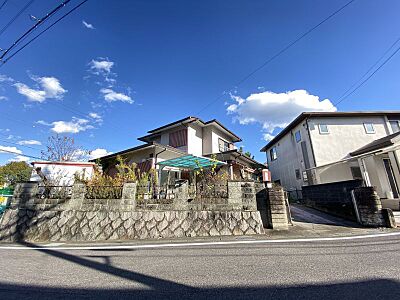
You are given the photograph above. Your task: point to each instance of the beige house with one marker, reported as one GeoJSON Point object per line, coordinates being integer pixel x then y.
{"type": "Point", "coordinates": [188, 136]}
{"type": "Point", "coordinates": [324, 147]}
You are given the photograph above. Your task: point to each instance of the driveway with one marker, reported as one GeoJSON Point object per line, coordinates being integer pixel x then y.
{"type": "Point", "coordinates": [308, 222]}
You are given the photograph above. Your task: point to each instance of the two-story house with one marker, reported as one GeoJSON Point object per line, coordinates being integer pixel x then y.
{"type": "Point", "coordinates": [324, 147]}
{"type": "Point", "coordinates": [188, 136]}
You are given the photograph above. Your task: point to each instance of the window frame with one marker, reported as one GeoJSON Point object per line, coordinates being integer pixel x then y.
{"type": "Point", "coordinates": [366, 129]}
{"type": "Point", "coordinates": [273, 150]}
{"type": "Point", "coordinates": [224, 143]}
{"type": "Point", "coordinates": [320, 129]}
{"type": "Point", "coordinates": [397, 122]}
{"type": "Point", "coordinates": [299, 135]}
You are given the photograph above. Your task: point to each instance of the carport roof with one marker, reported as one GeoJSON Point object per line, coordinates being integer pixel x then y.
{"type": "Point", "coordinates": [386, 141]}
{"type": "Point", "coordinates": [190, 162]}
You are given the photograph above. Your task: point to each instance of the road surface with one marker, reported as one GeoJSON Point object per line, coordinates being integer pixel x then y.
{"type": "Point", "coordinates": [339, 269]}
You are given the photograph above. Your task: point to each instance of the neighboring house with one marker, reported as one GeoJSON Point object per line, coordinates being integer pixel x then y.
{"type": "Point", "coordinates": [61, 173]}
{"type": "Point", "coordinates": [324, 147]}
{"type": "Point", "coordinates": [188, 136]}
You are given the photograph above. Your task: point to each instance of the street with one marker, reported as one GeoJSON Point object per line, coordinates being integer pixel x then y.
{"type": "Point", "coordinates": [366, 268]}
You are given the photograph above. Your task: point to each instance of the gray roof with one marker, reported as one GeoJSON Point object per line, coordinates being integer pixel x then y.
{"type": "Point", "coordinates": [384, 142]}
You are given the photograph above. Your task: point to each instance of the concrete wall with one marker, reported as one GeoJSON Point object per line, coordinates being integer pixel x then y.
{"type": "Point", "coordinates": [81, 219]}
{"type": "Point", "coordinates": [334, 198]}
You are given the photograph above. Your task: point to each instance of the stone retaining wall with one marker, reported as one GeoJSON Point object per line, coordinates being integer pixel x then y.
{"type": "Point", "coordinates": [370, 210]}
{"type": "Point", "coordinates": [76, 225]}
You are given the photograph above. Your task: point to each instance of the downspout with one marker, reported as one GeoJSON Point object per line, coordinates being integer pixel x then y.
{"type": "Point", "coordinates": [311, 145]}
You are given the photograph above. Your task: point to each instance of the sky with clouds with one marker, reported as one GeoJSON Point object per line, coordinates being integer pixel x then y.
{"type": "Point", "coordinates": [113, 70]}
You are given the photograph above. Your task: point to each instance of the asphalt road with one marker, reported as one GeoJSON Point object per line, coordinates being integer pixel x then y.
{"type": "Point", "coordinates": [346, 269]}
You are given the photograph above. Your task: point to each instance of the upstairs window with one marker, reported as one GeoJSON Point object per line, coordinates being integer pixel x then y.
{"type": "Point", "coordinates": [395, 125]}
{"type": "Point", "coordinates": [178, 138]}
{"type": "Point", "coordinates": [273, 154]}
{"type": "Point", "coordinates": [223, 145]}
{"type": "Point", "coordinates": [369, 128]}
{"type": "Point", "coordinates": [297, 136]}
{"type": "Point", "coordinates": [323, 129]}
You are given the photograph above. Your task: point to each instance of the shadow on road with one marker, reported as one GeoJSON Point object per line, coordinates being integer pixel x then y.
{"type": "Point", "coordinates": [372, 289]}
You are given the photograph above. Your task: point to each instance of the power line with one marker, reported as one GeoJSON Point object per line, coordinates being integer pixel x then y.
{"type": "Point", "coordinates": [369, 77]}
{"type": "Point", "coordinates": [39, 22]}
{"type": "Point", "coordinates": [33, 39]}
{"type": "Point", "coordinates": [15, 144]}
{"type": "Point", "coordinates": [283, 50]}
{"type": "Point", "coordinates": [15, 17]}
{"type": "Point", "coordinates": [30, 156]}
{"type": "Point", "coordinates": [4, 3]}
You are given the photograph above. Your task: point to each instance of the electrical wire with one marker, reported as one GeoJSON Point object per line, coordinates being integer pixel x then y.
{"type": "Point", "coordinates": [280, 52]}
{"type": "Point", "coordinates": [15, 17]}
{"type": "Point", "coordinates": [4, 3]}
{"type": "Point", "coordinates": [30, 156]}
{"type": "Point", "coordinates": [39, 22]}
{"type": "Point", "coordinates": [369, 77]}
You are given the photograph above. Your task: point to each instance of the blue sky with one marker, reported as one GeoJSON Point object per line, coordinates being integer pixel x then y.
{"type": "Point", "coordinates": [147, 63]}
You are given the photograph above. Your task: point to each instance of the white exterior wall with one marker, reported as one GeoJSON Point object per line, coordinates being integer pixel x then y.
{"type": "Point", "coordinates": [215, 136]}
{"type": "Point", "coordinates": [290, 158]}
{"type": "Point", "coordinates": [207, 140]}
{"type": "Point", "coordinates": [195, 140]}
{"type": "Point", "coordinates": [345, 136]}
{"type": "Point", "coordinates": [61, 174]}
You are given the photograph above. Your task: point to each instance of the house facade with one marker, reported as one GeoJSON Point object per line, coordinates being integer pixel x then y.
{"type": "Point", "coordinates": [324, 147]}
{"type": "Point", "coordinates": [188, 136]}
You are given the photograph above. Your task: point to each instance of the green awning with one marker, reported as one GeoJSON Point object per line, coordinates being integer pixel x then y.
{"type": "Point", "coordinates": [190, 162]}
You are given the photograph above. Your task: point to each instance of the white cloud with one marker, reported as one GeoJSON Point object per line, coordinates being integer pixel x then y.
{"type": "Point", "coordinates": [19, 158]}
{"type": "Point", "coordinates": [76, 125]}
{"type": "Point", "coordinates": [41, 122]}
{"type": "Point", "coordinates": [87, 25]}
{"type": "Point", "coordinates": [5, 78]}
{"type": "Point", "coordinates": [110, 96]}
{"type": "Point", "coordinates": [96, 117]}
{"type": "Point", "coordinates": [275, 110]}
{"type": "Point", "coordinates": [99, 152]}
{"type": "Point", "coordinates": [29, 142]}
{"type": "Point", "coordinates": [101, 66]}
{"type": "Point", "coordinates": [3, 98]}
{"type": "Point", "coordinates": [49, 88]}
{"type": "Point", "coordinates": [4, 149]}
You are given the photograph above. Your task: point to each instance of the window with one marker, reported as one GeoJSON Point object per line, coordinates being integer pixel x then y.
{"type": "Point", "coordinates": [297, 136]}
{"type": "Point", "coordinates": [305, 177]}
{"type": "Point", "coordinates": [356, 172]}
{"type": "Point", "coordinates": [272, 153]}
{"type": "Point", "coordinates": [395, 125]}
{"type": "Point", "coordinates": [323, 129]}
{"type": "Point", "coordinates": [298, 176]}
{"type": "Point", "coordinates": [369, 128]}
{"type": "Point", "coordinates": [223, 145]}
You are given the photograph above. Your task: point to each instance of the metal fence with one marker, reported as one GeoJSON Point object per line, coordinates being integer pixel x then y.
{"type": "Point", "coordinates": [54, 192]}
{"type": "Point", "coordinates": [103, 192]}
{"type": "Point", "coordinates": [207, 191]}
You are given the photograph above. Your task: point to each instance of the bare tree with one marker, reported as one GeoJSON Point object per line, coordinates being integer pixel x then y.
{"type": "Point", "coordinates": [63, 148]}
